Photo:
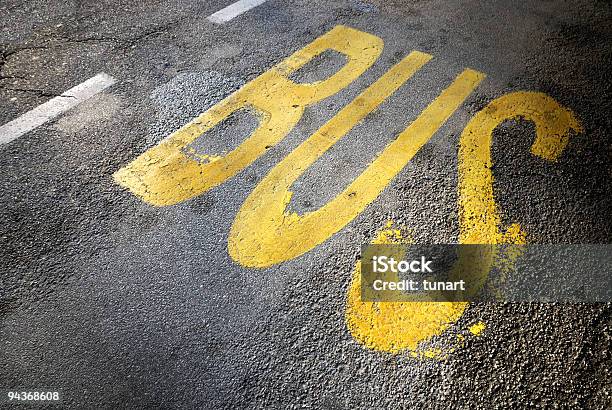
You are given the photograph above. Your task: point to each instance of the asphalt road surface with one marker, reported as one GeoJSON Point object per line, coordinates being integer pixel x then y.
{"type": "Point", "coordinates": [132, 281]}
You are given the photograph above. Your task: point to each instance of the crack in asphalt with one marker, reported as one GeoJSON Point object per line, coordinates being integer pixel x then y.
{"type": "Point", "coordinates": [122, 44]}
{"type": "Point", "coordinates": [40, 93]}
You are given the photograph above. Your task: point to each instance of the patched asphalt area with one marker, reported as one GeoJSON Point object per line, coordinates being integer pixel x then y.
{"type": "Point", "coordinates": [121, 304]}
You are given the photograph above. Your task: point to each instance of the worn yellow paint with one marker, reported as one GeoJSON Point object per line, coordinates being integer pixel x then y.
{"type": "Point", "coordinates": [394, 326]}
{"type": "Point", "coordinates": [477, 329]}
{"type": "Point", "coordinates": [166, 174]}
{"type": "Point", "coordinates": [263, 232]}
{"type": "Point", "coordinates": [431, 353]}
{"type": "Point", "coordinates": [478, 215]}
{"type": "Point", "coordinates": [391, 234]}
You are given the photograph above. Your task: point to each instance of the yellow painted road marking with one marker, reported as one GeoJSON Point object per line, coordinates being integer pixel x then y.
{"type": "Point", "coordinates": [395, 326]}
{"type": "Point", "coordinates": [263, 232]}
{"type": "Point", "coordinates": [165, 175]}
{"type": "Point", "coordinates": [477, 328]}
{"type": "Point", "coordinates": [478, 215]}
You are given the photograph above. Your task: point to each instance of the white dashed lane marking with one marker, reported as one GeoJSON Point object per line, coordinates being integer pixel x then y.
{"type": "Point", "coordinates": [234, 10]}
{"type": "Point", "coordinates": [54, 107]}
